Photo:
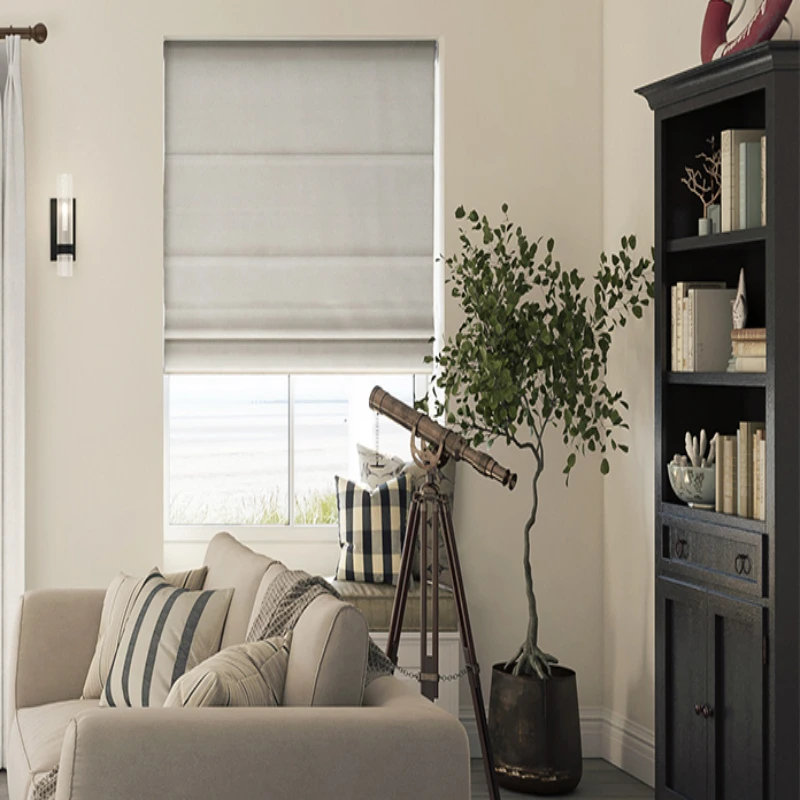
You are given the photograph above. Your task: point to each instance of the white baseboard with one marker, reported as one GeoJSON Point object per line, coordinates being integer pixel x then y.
{"type": "Point", "coordinates": [605, 735]}
{"type": "Point", "coordinates": [630, 746]}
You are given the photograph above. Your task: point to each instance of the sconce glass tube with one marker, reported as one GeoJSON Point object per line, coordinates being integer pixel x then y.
{"type": "Point", "coordinates": [62, 227]}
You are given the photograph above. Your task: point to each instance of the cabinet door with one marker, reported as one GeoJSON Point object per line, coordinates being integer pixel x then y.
{"type": "Point", "coordinates": [681, 625]}
{"type": "Point", "coordinates": [736, 696]}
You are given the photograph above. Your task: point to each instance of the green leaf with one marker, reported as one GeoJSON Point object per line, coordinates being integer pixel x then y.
{"type": "Point", "coordinates": [473, 215]}
{"type": "Point", "coordinates": [604, 467]}
{"type": "Point", "coordinates": [460, 213]}
{"type": "Point", "coordinates": [505, 208]}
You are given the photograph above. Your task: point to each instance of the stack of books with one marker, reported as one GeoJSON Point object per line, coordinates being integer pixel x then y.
{"type": "Point", "coordinates": [701, 325]}
{"type": "Point", "coordinates": [749, 350]}
{"type": "Point", "coordinates": [741, 472]}
{"type": "Point", "coordinates": [744, 179]}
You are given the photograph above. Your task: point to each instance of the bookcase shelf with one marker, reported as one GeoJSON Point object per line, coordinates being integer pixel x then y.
{"type": "Point", "coordinates": [716, 378]}
{"type": "Point", "coordinates": [727, 587]}
{"type": "Point", "coordinates": [689, 244]}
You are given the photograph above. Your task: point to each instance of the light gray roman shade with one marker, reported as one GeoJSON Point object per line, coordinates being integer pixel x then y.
{"type": "Point", "coordinates": [299, 185]}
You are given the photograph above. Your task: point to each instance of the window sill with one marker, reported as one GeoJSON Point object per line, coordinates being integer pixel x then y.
{"type": "Point", "coordinates": [253, 534]}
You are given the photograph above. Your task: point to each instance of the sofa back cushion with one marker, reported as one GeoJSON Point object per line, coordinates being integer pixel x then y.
{"type": "Point", "coordinates": [231, 565]}
{"type": "Point", "coordinates": [328, 656]}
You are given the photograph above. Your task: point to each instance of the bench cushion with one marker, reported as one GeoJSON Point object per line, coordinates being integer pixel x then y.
{"type": "Point", "coordinates": [375, 602]}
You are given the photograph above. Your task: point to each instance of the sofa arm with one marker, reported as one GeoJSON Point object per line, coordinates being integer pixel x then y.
{"type": "Point", "coordinates": [54, 641]}
{"type": "Point", "coordinates": [408, 751]}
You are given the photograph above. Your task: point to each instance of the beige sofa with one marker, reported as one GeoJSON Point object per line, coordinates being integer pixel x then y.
{"type": "Point", "coordinates": [323, 742]}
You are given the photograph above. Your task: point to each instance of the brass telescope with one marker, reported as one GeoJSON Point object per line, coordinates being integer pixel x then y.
{"type": "Point", "coordinates": [429, 505]}
{"type": "Point", "coordinates": [453, 445]}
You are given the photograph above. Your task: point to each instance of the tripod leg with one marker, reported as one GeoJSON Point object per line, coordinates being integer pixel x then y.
{"type": "Point", "coordinates": [468, 645]}
{"type": "Point", "coordinates": [401, 593]}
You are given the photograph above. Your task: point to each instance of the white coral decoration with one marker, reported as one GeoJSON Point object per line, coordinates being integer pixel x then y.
{"type": "Point", "coordinates": [696, 451]}
{"type": "Point", "coordinates": [740, 304]}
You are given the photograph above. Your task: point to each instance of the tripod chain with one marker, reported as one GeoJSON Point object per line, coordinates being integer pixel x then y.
{"type": "Point", "coordinates": [417, 676]}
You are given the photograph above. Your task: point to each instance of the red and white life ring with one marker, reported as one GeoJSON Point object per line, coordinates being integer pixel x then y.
{"type": "Point", "coordinates": [761, 28]}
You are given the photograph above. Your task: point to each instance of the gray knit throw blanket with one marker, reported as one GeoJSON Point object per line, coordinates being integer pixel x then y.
{"type": "Point", "coordinates": [287, 597]}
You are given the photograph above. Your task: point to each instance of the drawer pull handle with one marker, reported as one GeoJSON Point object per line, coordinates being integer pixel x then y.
{"type": "Point", "coordinates": [743, 564]}
{"type": "Point", "coordinates": [682, 549]}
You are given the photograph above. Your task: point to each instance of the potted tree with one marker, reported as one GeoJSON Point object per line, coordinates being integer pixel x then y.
{"type": "Point", "coordinates": [531, 354]}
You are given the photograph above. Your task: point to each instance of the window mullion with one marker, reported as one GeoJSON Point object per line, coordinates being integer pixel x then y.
{"type": "Point", "coordinates": [291, 449]}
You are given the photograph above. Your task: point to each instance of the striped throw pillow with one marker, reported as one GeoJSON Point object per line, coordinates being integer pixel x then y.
{"type": "Point", "coordinates": [169, 631]}
{"type": "Point", "coordinates": [372, 525]}
{"type": "Point", "coordinates": [117, 605]}
{"type": "Point", "coordinates": [244, 675]}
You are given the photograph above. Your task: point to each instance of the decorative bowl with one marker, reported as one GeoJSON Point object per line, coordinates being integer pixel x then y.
{"type": "Point", "coordinates": [694, 485]}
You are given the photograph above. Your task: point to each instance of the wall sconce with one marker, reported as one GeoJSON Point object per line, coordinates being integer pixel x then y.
{"type": "Point", "coordinates": [62, 227]}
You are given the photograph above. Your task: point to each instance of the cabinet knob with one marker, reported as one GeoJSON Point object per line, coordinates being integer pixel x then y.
{"type": "Point", "coordinates": [707, 712]}
{"type": "Point", "coordinates": [698, 709]}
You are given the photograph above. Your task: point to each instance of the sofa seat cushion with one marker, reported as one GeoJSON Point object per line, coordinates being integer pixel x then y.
{"type": "Point", "coordinates": [375, 602]}
{"type": "Point", "coordinates": [36, 737]}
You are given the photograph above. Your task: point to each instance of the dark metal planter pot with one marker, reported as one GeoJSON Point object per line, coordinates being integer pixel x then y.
{"type": "Point", "coordinates": [535, 732]}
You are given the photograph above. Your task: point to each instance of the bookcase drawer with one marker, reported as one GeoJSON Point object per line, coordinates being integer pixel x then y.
{"type": "Point", "coordinates": [712, 555]}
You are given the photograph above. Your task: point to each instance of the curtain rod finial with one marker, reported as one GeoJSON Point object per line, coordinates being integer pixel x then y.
{"type": "Point", "coordinates": [39, 33]}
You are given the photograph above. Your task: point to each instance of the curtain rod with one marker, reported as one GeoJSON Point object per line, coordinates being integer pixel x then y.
{"type": "Point", "coordinates": [37, 33]}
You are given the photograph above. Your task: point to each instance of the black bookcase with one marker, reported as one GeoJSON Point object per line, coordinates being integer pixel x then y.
{"type": "Point", "coordinates": [728, 641]}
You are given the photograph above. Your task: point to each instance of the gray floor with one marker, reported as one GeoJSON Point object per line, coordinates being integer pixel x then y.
{"type": "Point", "coordinates": [600, 781]}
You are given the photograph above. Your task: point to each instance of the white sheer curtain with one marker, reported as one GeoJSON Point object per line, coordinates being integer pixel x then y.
{"type": "Point", "coordinates": [12, 347]}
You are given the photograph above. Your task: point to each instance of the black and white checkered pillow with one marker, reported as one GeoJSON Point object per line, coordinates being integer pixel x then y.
{"type": "Point", "coordinates": [372, 526]}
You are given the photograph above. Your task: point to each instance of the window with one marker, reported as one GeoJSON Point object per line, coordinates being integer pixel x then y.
{"type": "Point", "coordinates": [264, 449]}
{"type": "Point", "coordinates": [301, 223]}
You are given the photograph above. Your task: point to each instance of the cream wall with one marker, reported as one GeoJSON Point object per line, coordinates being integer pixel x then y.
{"type": "Point", "coordinates": [641, 44]}
{"type": "Point", "coordinates": [522, 89]}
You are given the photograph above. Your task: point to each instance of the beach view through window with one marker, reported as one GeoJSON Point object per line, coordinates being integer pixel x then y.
{"type": "Point", "coordinates": [265, 449]}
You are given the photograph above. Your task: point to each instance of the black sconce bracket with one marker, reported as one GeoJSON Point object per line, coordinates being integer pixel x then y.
{"type": "Point", "coordinates": [62, 249]}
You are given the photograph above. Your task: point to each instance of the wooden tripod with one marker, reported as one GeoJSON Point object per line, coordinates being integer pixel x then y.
{"type": "Point", "coordinates": [429, 497]}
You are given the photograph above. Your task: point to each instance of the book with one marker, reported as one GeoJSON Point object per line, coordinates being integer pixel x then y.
{"type": "Point", "coordinates": [749, 334]}
{"type": "Point", "coordinates": [759, 474]}
{"type": "Point", "coordinates": [710, 326]}
{"type": "Point", "coordinates": [756, 468]}
{"type": "Point", "coordinates": [674, 329]}
{"type": "Point", "coordinates": [763, 180]}
{"type": "Point", "coordinates": [719, 474]}
{"type": "Point", "coordinates": [749, 364]}
{"type": "Point", "coordinates": [688, 331]}
{"type": "Point", "coordinates": [762, 474]}
{"type": "Point", "coordinates": [729, 476]}
{"type": "Point", "coordinates": [680, 322]}
{"type": "Point", "coordinates": [750, 185]}
{"type": "Point", "coordinates": [744, 494]}
{"type": "Point", "coordinates": [731, 142]}
{"type": "Point", "coordinates": [750, 348]}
